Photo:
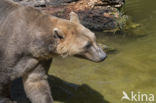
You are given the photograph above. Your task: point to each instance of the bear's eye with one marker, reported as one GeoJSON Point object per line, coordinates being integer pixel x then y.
{"type": "Point", "coordinates": [88, 45]}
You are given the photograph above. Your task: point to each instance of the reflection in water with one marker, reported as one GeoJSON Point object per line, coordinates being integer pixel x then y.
{"type": "Point", "coordinates": [62, 91]}
{"type": "Point", "coordinates": [73, 93]}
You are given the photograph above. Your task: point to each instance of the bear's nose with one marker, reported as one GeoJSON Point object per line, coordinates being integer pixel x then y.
{"type": "Point", "coordinates": [102, 55]}
{"type": "Point", "coordinates": [103, 58]}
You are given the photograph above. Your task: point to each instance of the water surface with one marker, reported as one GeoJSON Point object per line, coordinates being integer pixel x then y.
{"type": "Point", "coordinates": [132, 67]}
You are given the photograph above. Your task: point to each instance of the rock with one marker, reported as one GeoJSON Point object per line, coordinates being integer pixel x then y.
{"type": "Point", "coordinates": [33, 2]}
{"type": "Point", "coordinates": [114, 3]}
{"type": "Point", "coordinates": [58, 2]}
{"type": "Point", "coordinates": [38, 3]}
{"type": "Point", "coordinates": [95, 14]}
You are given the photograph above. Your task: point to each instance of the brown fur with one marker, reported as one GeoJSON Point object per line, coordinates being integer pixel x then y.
{"type": "Point", "coordinates": [29, 39]}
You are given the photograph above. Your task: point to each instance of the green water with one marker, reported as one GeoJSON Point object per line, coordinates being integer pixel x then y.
{"type": "Point", "coordinates": [131, 67]}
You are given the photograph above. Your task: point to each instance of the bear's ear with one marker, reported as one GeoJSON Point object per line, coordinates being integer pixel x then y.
{"type": "Point", "coordinates": [58, 34]}
{"type": "Point", "coordinates": [74, 17]}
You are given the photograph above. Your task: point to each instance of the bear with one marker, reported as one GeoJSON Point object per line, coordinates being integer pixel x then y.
{"type": "Point", "coordinates": [30, 39]}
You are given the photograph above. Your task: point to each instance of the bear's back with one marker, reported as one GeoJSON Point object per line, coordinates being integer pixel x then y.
{"type": "Point", "coordinates": [7, 7]}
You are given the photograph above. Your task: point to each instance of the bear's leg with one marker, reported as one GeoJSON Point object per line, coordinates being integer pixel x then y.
{"type": "Point", "coordinates": [36, 86]}
{"type": "Point", "coordinates": [5, 88]}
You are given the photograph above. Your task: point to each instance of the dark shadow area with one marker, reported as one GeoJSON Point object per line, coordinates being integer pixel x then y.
{"type": "Point", "coordinates": [62, 91]}
{"type": "Point", "coordinates": [73, 93]}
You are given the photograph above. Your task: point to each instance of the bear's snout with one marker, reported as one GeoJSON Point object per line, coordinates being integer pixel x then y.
{"type": "Point", "coordinates": [98, 55]}
{"type": "Point", "coordinates": [102, 55]}
{"type": "Point", "coordinates": [95, 54]}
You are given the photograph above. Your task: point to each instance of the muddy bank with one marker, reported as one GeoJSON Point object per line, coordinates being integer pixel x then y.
{"type": "Point", "coordinates": [95, 14]}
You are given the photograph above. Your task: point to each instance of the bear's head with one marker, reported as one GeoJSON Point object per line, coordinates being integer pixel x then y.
{"type": "Point", "coordinates": [76, 40]}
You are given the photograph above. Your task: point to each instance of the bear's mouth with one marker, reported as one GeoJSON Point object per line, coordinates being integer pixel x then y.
{"type": "Point", "coordinates": [93, 60]}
